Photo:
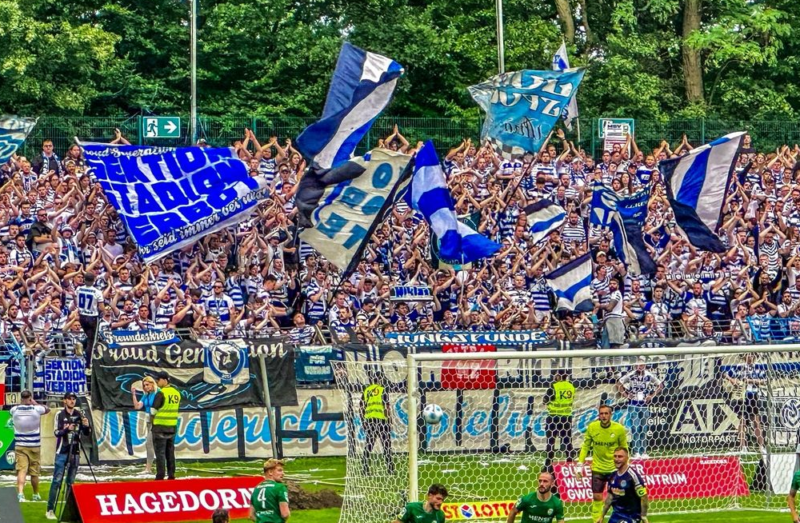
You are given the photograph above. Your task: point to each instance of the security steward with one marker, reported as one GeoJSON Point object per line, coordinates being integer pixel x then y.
{"type": "Point", "coordinates": [559, 400]}
{"type": "Point", "coordinates": [166, 405]}
{"type": "Point", "coordinates": [375, 413]}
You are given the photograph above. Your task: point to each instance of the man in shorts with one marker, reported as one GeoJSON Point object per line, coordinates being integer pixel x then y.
{"type": "Point", "coordinates": [27, 418]}
{"type": "Point", "coordinates": [602, 437]}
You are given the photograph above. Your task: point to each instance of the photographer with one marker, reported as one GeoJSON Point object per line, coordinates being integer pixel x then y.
{"type": "Point", "coordinates": [69, 425]}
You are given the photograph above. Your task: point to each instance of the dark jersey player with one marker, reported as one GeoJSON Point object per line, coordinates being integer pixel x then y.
{"type": "Point", "coordinates": [627, 493]}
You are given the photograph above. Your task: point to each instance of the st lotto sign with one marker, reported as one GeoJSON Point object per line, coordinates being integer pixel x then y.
{"type": "Point", "coordinates": [477, 510]}
{"type": "Point", "coordinates": [175, 500]}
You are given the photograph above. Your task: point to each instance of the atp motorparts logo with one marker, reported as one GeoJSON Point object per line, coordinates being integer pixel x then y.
{"type": "Point", "coordinates": [706, 421]}
{"type": "Point", "coordinates": [478, 509]}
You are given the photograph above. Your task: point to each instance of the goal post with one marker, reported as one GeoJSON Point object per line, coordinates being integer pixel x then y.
{"type": "Point", "coordinates": [710, 428]}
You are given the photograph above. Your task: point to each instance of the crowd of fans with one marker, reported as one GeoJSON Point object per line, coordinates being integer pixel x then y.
{"type": "Point", "coordinates": [257, 279]}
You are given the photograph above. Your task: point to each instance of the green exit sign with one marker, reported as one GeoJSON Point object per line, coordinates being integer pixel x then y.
{"type": "Point", "coordinates": [161, 127]}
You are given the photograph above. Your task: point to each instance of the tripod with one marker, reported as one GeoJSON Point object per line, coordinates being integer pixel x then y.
{"type": "Point", "coordinates": [70, 468]}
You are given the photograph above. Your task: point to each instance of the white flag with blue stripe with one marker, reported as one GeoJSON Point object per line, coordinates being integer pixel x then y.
{"type": "Point", "coordinates": [697, 184]}
{"type": "Point", "coordinates": [13, 131]}
{"type": "Point", "coordinates": [544, 217]}
{"type": "Point", "coordinates": [561, 63]}
{"type": "Point", "coordinates": [572, 284]}
{"type": "Point", "coordinates": [362, 86]}
{"type": "Point", "coordinates": [429, 195]}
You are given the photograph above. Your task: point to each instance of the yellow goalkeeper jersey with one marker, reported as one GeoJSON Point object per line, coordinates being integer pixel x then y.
{"type": "Point", "coordinates": [602, 443]}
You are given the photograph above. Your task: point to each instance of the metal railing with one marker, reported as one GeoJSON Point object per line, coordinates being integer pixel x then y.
{"type": "Point", "coordinates": [445, 132]}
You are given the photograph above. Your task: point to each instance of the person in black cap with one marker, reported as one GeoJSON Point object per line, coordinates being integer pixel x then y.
{"type": "Point", "coordinates": [166, 405]}
{"type": "Point", "coordinates": [70, 424]}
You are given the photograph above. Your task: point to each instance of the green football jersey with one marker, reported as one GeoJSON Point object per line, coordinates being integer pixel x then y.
{"type": "Point", "coordinates": [535, 510]}
{"type": "Point", "coordinates": [416, 513]}
{"type": "Point", "coordinates": [266, 500]}
{"type": "Point", "coordinates": [602, 442]}
{"type": "Point", "coordinates": [796, 482]}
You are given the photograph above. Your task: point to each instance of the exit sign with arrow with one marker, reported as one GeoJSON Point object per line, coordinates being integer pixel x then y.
{"type": "Point", "coordinates": [161, 127]}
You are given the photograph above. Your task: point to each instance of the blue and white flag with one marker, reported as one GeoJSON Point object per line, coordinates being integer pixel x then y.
{"type": "Point", "coordinates": [169, 198]}
{"type": "Point", "coordinates": [561, 63]}
{"type": "Point", "coordinates": [225, 362]}
{"type": "Point", "coordinates": [362, 86]}
{"type": "Point", "coordinates": [13, 131]}
{"type": "Point", "coordinates": [341, 207]}
{"type": "Point", "coordinates": [623, 217]}
{"type": "Point", "coordinates": [523, 106]}
{"type": "Point", "coordinates": [429, 195]}
{"type": "Point", "coordinates": [696, 188]}
{"type": "Point", "coordinates": [544, 217]}
{"type": "Point", "coordinates": [572, 284]}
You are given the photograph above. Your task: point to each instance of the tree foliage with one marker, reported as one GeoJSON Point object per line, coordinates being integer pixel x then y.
{"type": "Point", "coordinates": [260, 57]}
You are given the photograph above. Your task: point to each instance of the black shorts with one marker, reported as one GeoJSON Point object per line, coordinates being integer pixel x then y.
{"type": "Point", "coordinates": [599, 481]}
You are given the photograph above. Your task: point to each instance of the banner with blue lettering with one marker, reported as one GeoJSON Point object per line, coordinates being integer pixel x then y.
{"type": "Point", "coordinates": [62, 375]}
{"type": "Point", "coordinates": [523, 106]}
{"type": "Point", "coordinates": [117, 338]}
{"type": "Point", "coordinates": [168, 198]}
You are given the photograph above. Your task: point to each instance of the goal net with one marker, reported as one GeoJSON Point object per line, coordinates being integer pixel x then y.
{"type": "Point", "coordinates": [709, 431]}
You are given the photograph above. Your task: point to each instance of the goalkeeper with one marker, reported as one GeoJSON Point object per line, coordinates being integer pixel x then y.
{"type": "Point", "coordinates": [601, 438]}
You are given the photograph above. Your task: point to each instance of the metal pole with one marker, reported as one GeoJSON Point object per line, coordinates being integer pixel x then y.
{"type": "Point", "coordinates": [501, 58]}
{"type": "Point", "coordinates": [270, 411]}
{"type": "Point", "coordinates": [193, 65]}
{"type": "Point", "coordinates": [413, 442]}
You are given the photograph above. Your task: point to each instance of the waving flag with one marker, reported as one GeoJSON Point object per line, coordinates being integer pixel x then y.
{"type": "Point", "coordinates": [561, 63]}
{"type": "Point", "coordinates": [13, 131]}
{"type": "Point", "coordinates": [544, 217]}
{"type": "Point", "coordinates": [572, 284]}
{"type": "Point", "coordinates": [523, 106]}
{"type": "Point", "coordinates": [429, 195]}
{"type": "Point", "coordinates": [361, 88]}
{"type": "Point", "coordinates": [696, 188]}
{"type": "Point", "coordinates": [169, 198]}
{"type": "Point", "coordinates": [623, 217]}
{"type": "Point", "coordinates": [341, 207]}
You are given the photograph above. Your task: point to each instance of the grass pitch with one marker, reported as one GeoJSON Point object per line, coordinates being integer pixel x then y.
{"type": "Point", "coordinates": [469, 479]}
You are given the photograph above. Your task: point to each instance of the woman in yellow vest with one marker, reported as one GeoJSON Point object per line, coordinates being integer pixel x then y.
{"type": "Point", "coordinates": [166, 405]}
{"type": "Point", "coordinates": [376, 416]}
{"type": "Point", "coordinates": [559, 400]}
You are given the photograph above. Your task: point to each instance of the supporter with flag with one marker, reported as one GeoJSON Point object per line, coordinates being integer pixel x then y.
{"type": "Point", "coordinates": [429, 195]}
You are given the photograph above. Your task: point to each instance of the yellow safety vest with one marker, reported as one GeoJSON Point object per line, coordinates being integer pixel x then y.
{"type": "Point", "coordinates": [564, 396]}
{"type": "Point", "coordinates": [373, 397]}
{"type": "Point", "coordinates": [167, 415]}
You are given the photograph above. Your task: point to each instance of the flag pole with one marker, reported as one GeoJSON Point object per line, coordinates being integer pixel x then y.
{"type": "Point", "coordinates": [578, 128]}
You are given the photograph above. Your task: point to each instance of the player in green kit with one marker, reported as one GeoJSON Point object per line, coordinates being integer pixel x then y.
{"type": "Point", "coordinates": [269, 502]}
{"type": "Point", "coordinates": [602, 437]}
{"type": "Point", "coordinates": [428, 511]}
{"type": "Point", "coordinates": [792, 493]}
{"type": "Point", "coordinates": [540, 506]}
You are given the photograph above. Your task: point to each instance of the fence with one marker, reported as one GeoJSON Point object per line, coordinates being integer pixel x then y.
{"type": "Point", "coordinates": [445, 132]}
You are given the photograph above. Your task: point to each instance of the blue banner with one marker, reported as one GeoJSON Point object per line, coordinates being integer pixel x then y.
{"type": "Point", "coordinates": [523, 106]}
{"type": "Point", "coordinates": [313, 364]}
{"type": "Point", "coordinates": [169, 198]}
{"type": "Point", "coordinates": [62, 375]}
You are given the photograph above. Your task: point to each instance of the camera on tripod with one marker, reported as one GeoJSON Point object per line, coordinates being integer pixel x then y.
{"type": "Point", "coordinates": [74, 433]}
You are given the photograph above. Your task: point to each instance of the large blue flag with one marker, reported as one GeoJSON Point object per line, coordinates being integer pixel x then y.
{"type": "Point", "coordinates": [523, 106]}
{"type": "Point", "coordinates": [544, 217]}
{"type": "Point", "coordinates": [169, 198]}
{"type": "Point", "coordinates": [361, 88]}
{"type": "Point", "coordinates": [623, 217]}
{"type": "Point", "coordinates": [697, 184]}
{"type": "Point", "coordinates": [429, 195]}
{"type": "Point", "coordinates": [341, 207]}
{"type": "Point", "coordinates": [572, 284]}
{"type": "Point", "coordinates": [13, 131]}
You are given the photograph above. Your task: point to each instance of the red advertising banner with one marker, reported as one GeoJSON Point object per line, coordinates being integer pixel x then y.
{"type": "Point", "coordinates": [666, 478]}
{"type": "Point", "coordinates": [175, 500]}
{"type": "Point", "coordinates": [469, 375]}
